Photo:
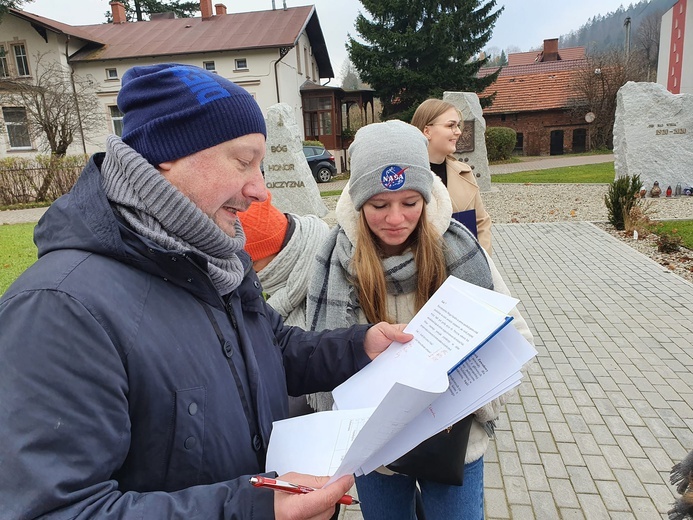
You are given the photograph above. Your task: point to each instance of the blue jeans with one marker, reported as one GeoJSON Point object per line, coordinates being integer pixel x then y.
{"type": "Point", "coordinates": [385, 497]}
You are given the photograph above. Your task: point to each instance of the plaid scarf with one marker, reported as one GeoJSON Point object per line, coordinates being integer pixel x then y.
{"type": "Point", "coordinates": [332, 299]}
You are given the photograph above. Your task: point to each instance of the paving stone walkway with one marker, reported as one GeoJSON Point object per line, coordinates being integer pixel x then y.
{"type": "Point", "coordinates": [605, 409]}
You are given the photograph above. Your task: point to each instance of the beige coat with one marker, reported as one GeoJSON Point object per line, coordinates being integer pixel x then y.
{"type": "Point", "coordinates": [465, 195]}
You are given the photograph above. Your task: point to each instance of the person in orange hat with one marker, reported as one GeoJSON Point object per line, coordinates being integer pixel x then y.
{"type": "Point", "coordinates": [282, 247]}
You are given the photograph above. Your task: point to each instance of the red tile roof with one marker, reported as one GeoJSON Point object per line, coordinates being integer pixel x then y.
{"type": "Point", "coordinates": [177, 36]}
{"type": "Point", "coordinates": [534, 68]}
{"type": "Point", "coordinates": [57, 27]}
{"type": "Point", "coordinates": [233, 31]}
{"type": "Point", "coordinates": [528, 58]}
{"type": "Point", "coordinates": [532, 92]}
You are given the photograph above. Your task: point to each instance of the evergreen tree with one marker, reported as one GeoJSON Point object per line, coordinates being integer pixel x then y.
{"type": "Point", "coordinates": [136, 10]}
{"type": "Point", "coordinates": [417, 49]}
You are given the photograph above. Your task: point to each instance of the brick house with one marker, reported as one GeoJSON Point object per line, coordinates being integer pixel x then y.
{"type": "Point", "coordinates": [535, 96]}
{"type": "Point", "coordinates": [274, 54]}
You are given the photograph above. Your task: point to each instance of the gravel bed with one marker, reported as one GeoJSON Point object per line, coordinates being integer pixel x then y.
{"type": "Point", "coordinates": [526, 203]}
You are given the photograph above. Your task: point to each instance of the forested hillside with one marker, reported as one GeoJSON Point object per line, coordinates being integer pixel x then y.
{"type": "Point", "coordinates": [606, 31]}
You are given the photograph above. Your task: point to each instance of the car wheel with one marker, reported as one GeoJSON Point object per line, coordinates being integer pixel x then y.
{"type": "Point", "coordinates": [324, 174]}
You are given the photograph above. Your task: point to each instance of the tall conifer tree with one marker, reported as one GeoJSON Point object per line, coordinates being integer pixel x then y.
{"type": "Point", "coordinates": [415, 49]}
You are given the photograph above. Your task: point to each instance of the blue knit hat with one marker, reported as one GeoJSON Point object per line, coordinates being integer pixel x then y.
{"type": "Point", "coordinates": [172, 111]}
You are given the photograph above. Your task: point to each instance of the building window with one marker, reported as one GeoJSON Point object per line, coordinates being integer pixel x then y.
{"type": "Point", "coordinates": [117, 120]}
{"type": "Point", "coordinates": [210, 66]}
{"type": "Point", "coordinates": [17, 127]}
{"type": "Point", "coordinates": [317, 116]}
{"type": "Point", "coordinates": [21, 60]}
{"type": "Point", "coordinates": [241, 64]}
{"type": "Point", "coordinates": [4, 71]}
{"type": "Point", "coordinates": [519, 142]}
{"type": "Point", "coordinates": [502, 117]}
{"type": "Point", "coordinates": [111, 73]}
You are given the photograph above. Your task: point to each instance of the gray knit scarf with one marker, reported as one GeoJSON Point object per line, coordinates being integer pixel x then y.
{"type": "Point", "coordinates": [157, 210]}
{"type": "Point", "coordinates": [332, 299]}
{"type": "Point", "coordinates": [286, 277]}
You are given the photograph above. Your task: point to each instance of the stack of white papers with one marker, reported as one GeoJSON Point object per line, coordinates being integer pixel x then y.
{"type": "Point", "coordinates": [462, 357]}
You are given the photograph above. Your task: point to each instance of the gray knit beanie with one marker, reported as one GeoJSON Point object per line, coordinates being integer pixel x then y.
{"type": "Point", "coordinates": [388, 156]}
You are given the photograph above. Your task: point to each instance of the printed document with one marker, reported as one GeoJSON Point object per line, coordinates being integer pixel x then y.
{"type": "Point", "coordinates": [462, 356]}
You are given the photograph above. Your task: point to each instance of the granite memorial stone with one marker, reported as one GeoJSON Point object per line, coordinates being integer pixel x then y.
{"type": "Point", "coordinates": [287, 174]}
{"type": "Point", "coordinates": [471, 146]}
{"type": "Point", "coordinates": [653, 135]}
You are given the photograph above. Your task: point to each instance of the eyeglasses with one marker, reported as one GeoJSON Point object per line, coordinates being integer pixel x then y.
{"type": "Point", "coordinates": [452, 126]}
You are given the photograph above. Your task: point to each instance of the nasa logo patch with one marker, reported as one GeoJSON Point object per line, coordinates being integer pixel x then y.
{"type": "Point", "coordinates": [393, 177]}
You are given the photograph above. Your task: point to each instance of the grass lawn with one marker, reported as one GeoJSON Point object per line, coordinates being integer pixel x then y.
{"type": "Point", "coordinates": [17, 252]}
{"type": "Point", "coordinates": [602, 173]}
{"type": "Point", "coordinates": [681, 228]}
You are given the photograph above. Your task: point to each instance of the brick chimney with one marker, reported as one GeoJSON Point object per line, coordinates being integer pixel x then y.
{"type": "Point", "coordinates": [220, 9]}
{"type": "Point", "coordinates": [118, 12]}
{"type": "Point", "coordinates": [206, 9]}
{"type": "Point", "coordinates": [550, 50]}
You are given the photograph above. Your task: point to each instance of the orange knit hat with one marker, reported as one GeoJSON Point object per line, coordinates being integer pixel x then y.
{"type": "Point", "coordinates": [265, 229]}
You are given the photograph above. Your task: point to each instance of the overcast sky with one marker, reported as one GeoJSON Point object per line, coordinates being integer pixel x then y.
{"type": "Point", "coordinates": [523, 23]}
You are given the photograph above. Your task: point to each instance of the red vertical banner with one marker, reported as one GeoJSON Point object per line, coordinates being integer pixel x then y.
{"type": "Point", "coordinates": [678, 31]}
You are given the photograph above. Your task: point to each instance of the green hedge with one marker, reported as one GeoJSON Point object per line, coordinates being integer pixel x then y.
{"type": "Point", "coordinates": [500, 143]}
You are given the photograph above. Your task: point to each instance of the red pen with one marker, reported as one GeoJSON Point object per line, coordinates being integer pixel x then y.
{"type": "Point", "coordinates": [288, 487]}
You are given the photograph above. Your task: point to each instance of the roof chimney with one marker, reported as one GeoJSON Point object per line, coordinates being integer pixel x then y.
{"type": "Point", "coordinates": [220, 9]}
{"type": "Point", "coordinates": [550, 50]}
{"type": "Point", "coordinates": [118, 12]}
{"type": "Point", "coordinates": [206, 9]}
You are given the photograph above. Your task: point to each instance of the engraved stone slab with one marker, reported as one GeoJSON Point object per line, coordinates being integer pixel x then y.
{"type": "Point", "coordinates": [287, 174]}
{"type": "Point", "coordinates": [471, 146]}
{"type": "Point", "coordinates": [653, 135]}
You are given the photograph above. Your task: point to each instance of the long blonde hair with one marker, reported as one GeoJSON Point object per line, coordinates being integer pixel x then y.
{"type": "Point", "coordinates": [369, 277]}
{"type": "Point", "coordinates": [429, 111]}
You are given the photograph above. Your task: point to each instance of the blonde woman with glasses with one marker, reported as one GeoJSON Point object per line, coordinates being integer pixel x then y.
{"type": "Point", "coordinates": [440, 122]}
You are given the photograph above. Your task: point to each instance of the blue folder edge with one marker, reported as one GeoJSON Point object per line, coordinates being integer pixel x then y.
{"type": "Point", "coordinates": [508, 319]}
{"type": "Point", "coordinates": [468, 220]}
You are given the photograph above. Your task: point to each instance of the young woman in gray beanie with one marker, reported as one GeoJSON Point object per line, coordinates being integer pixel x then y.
{"type": "Point", "coordinates": [394, 245]}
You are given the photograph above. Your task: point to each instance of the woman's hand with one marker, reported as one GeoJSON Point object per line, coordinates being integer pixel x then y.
{"type": "Point", "coordinates": [380, 335]}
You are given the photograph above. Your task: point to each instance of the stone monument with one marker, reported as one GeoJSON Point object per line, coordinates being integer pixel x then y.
{"type": "Point", "coordinates": [471, 146]}
{"type": "Point", "coordinates": [287, 174]}
{"type": "Point", "coordinates": [653, 135]}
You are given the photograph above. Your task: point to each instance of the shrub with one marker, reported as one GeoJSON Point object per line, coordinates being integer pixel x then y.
{"type": "Point", "coordinates": [621, 198]}
{"type": "Point", "coordinates": [500, 143]}
{"type": "Point", "coordinates": [668, 242]}
{"type": "Point", "coordinates": [313, 143]}
{"type": "Point", "coordinates": [43, 178]}
{"type": "Point", "coordinates": [639, 219]}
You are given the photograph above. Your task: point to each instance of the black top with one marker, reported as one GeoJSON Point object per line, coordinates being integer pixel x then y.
{"type": "Point", "coordinates": [441, 171]}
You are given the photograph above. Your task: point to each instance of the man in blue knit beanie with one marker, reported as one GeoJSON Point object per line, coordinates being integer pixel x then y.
{"type": "Point", "coordinates": [140, 367]}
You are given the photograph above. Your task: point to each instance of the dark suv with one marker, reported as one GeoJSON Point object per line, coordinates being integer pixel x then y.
{"type": "Point", "coordinates": [321, 163]}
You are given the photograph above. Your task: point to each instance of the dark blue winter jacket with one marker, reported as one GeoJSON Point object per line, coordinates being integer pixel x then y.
{"type": "Point", "coordinates": [130, 389]}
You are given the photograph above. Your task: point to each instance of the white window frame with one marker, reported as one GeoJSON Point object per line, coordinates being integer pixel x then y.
{"type": "Point", "coordinates": [240, 64]}
{"type": "Point", "coordinates": [111, 73]}
{"type": "Point", "coordinates": [21, 61]}
{"type": "Point", "coordinates": [116, 119]}
{"type": "Point", "coordinates": [209, 66]}
{"type": "Point", "coordinates": [9, 124]}
{"type": "Point", "coordinates": [4, 68]}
